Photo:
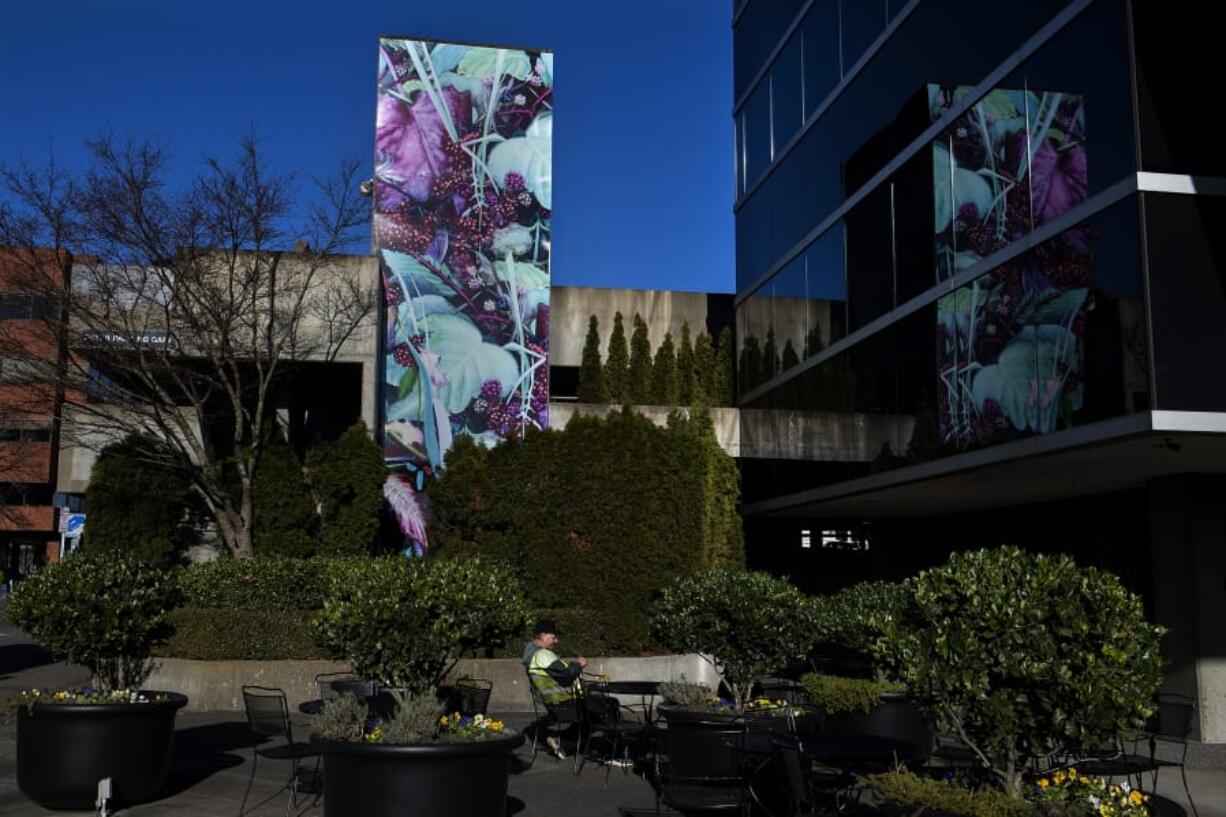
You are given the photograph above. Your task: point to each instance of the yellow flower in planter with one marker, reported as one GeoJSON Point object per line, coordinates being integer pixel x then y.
{"type": "Point", "coordinates": [1044, 782]}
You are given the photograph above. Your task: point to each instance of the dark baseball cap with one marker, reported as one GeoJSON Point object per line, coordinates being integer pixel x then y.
{"type": "Point", "coordinates": [545, 625]}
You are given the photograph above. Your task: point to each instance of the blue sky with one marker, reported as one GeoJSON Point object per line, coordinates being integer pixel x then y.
{"type": "Point", "coordinates": [643, 139]}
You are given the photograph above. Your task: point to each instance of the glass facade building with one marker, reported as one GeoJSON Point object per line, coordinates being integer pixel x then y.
{"type": "Point", "coordinates": [981, 280]}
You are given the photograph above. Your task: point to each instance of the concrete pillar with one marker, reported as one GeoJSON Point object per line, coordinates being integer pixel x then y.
{"type": "Point", "coordinates": [1188, 561]}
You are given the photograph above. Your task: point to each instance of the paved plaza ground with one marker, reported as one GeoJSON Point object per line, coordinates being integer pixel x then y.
{"type": "Point", "coordinates": [212, 764]}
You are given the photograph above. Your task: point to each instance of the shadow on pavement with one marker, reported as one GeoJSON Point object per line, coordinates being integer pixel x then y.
{"type": "Point", "coordinates": [202, 751]}
{"type": "Point", "coordinates": [15, 658]}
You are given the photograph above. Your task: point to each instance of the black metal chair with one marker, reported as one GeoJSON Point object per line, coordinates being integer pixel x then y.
{"type": "Point", "coordinates": [268, 717]}
{"type": "Point", "coordinates": [1170, 724]}
{"type": "Point", "coordinates": [472, 696]}
{"type": "Point", "coordinates": [702, 768]}
{"type": "Point", "coordinates": [603, 716]}
{"type": "Point", "coordinates": [558, 717]}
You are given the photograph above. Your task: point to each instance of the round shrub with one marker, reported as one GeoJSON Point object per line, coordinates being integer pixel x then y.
{"type": "Point", "coordinates": [104, 611]}
{"type": "Point", "coordinates": [1022, 654]}
{"type": "Point", "coordinates": [751, 624]}
{"type": "Point", "coordinates": [405, 622]}
{"type": "Point", "coordinates": [853, 621]}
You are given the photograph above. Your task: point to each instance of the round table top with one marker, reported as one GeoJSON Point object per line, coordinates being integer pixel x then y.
{"type": "Point", "coordinates": [627, 687]}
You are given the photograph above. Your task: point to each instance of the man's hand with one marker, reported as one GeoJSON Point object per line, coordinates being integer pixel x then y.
{"type": "Point", "coordinates": [582, 662]}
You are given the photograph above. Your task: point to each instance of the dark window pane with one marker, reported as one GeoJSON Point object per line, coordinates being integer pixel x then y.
{"type": "Point", "coordinates": [885, 107]}
{"type": "Point", "coordinates": [914, 266]}
{"type": "Point", "coordinates": [1172, 52]}
{"type": "Point", "coordinates": [821, 45]}
{"type": "Point", "coordinates": [1051, 339]}
{"type": "Point", "coordinates": [870, 259]}
{"type": "Point", "coordinates": [757, 355]}
{"type": "Point", "coordinates": [757, 133]}
{"type": "Point", "coordinates": [827, 291]}
{"type": "Point", "coordinates": [757, 33]}
{"type": "Point", "coordinates": [738, 157]}
{"type": "Point", "coordinates": [787, 103]}
{"type": "Point", "coordinates": [862, 22]}
{"type": "Point", "coordinates": [1187, 285]}
{"type": "Point", "coordinates": [791, 310]}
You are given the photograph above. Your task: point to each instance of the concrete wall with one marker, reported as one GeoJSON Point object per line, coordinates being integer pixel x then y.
{"type": "Point", "coordinates": [664, 311]}
{"type": "Point", "coordinates": [216, 686]}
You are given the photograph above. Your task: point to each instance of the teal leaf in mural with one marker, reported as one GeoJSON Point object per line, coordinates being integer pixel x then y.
{"type": "Point", "coordinates": [544, 68]}
{"type": "Point", "coordinates": [1028, 378]}
{"type": "Point", "coordinates": [446, 56]}
{"type": "Point", "coordinates": [531, 156]}
{"type": "Point", "coordinates": [481, 62]}
{"type": "Point", "coordinates": [417, 277]}
{"type": "Point", "coordinates": [467, 361]}
{"type": "Point", "coordinates": [968, 188]}
{"type": "Point", "coordinates": [1059, 310]}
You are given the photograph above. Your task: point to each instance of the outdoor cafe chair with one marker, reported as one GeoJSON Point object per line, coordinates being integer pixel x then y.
{"type": "Point", "coordinates": [472, 696]}
{"type": "Point", "coordinates": [268, 717]}
{"type": "Point", "coordinates": [602, 716]}
{"type": "Point", "coordinates": [556, 718]}
{"type": "Point", "coordinates": [1171, 724]}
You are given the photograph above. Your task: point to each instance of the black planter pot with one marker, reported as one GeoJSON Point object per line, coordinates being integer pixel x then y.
{"type": "Point", "coordinates": [63, 750]}
{"type": "Point", "coordinates": [427, 780]}
{"type": "Point", "coordinates": [702, 744]}
{"type": "Point", "coordinates": [896, 717]}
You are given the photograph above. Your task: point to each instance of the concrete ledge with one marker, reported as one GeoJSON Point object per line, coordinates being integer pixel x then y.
{"type": "Point", "coordinates": [216, 686]}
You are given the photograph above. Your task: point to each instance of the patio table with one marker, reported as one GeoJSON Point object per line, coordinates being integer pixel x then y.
{"type": "Point", "coordinates": [645, 690]}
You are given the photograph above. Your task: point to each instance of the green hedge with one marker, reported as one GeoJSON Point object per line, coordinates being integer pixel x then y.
{"type": "Point", "coordinates": [213, 634]}
{"type": "Point", "coordinates": [262, 583]}
{"type": "Point", "coordinates": [599, 515]}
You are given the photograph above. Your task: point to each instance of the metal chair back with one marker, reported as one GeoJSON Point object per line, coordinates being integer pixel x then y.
{"type": "Point", "coordinates": [267, 712]}
{"type": "Point", "coordinates": [1174, 718]}
{"type": "Point", "coordinates": [473, 695]}
{"type": "Point", "coordinates": [787, 749]}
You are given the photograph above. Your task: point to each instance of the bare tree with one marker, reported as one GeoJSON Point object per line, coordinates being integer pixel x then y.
{"type": "Point", "coordinates": [182, 311]}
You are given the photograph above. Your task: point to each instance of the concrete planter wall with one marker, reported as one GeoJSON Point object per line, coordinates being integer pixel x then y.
{"type": "Point", "coordinates": [216, 686]}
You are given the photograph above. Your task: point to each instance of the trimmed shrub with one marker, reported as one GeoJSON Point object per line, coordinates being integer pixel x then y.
{"type": "Point", "coordinates": [836, 695]}
{"type": "Point", "coordinates": [617, 364]}
{"type": "Point", "coordinates": [598, 515]}
{"type": "Point", "coordinates": [104, 611]}
{"type": "Point", "coordinates": [704, 390]}
{"type": "Point", "coordinates": [723, 392]}
{"type": "Point", "coordinates": [591, 372]}
{"type": "Point", "coordinates": [224, 634]}
{"type": "Point", "coordinates": [855, 619]}
{"type": "Point", "coordinates": [405, 622]}
{"type": "Point", "coordinates": [256, 584]}
{"type": "Point", "coordinates": [923, 795]}
{"type": "Point", "coordinates": [347, 476]}
{"type": "Point", "coordinates": [751, 624]}
{"type": "Point", "coordinates": [1022, 654]}
{"type": "Point", "coordinates": [686, 375]}
{"type": "Point", "coordinates": [138, 505]}
{"type": "Point", "coordinates": [664, 385]}
{"type": "Point", "coordinates": [285, 519]}
{"type": "Point", "coordinates": [638, 378]}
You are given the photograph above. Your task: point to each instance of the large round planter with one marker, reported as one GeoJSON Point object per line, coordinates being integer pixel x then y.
{"type": "Point", "coordinates": [702, 744]}
{"type": "Point", "coordinates": [63, 750]}
{"type": "Point", "coordinates": [426, 780]}
{"type": "Point", "coordinates": [896, 716]}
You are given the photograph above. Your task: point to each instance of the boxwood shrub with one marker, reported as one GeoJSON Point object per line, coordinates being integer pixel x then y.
{"type": "Point", "coordinates": [264, 583]}
{"type": "Point", "coordinates": [219, 634]}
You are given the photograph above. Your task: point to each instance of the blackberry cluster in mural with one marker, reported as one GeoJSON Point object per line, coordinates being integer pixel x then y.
{"type": "Point", "coordinates": [463, 198]}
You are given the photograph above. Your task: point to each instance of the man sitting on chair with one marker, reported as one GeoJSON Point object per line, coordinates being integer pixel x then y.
{"type": "Point", "coordinates": [557, 682]}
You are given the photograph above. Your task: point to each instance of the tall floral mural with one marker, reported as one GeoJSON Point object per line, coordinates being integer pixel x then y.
{"type": "Point", "coordinates": [1010, 344]}
{"type": "Point", "coordinates": [463, 202]}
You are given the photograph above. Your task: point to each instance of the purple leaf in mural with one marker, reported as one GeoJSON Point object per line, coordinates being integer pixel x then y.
{"type": "Point", "coordinates": [1058, 180]}
{"type": "Point", "coordinates": [410, 143]}
{"type": "Point", "coordinates": [406, 505]}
